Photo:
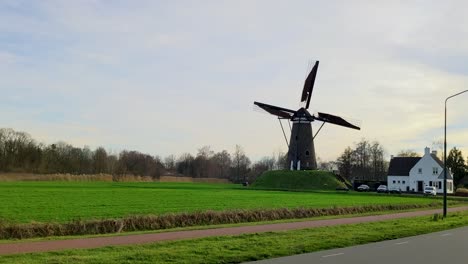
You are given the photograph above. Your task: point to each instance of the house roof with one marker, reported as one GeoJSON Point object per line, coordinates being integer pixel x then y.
{"type": "Point", "coordinates": [441, 163]}
{"type": "Point", "coordinates": [401, 166]}
{"type": "Point", "coordinates": [437, 160]}
{"type": "Point", "coordinates": [449, 175]}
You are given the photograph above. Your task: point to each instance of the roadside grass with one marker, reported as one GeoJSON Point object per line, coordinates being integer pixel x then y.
{"type": "Point", "coordinates": [170, 221]}
{"type": "Point", "coordinates": [251, 247]}
{"type": "Point", "coordinates": [205, 227]}
{"type": "Point", "coordinates": [26, 202]}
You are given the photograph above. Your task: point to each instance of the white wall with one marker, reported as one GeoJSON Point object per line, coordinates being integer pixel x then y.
{"type": "Point", "coordinates": [400, 182]}
{"type": "Point", "coordinates": [427, 165]}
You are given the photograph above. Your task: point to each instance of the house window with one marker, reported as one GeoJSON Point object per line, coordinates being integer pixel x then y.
{"type": "Point", "coordinates": [394, 181]}
{"type": "Point", "coordinates": [435, 171]}
{"type": "Point", "coordinates": [420, 170]}
{"type": "Point", "coordinates": [398, 181]}
{"type": "Point", "coordinates": [404, 182]}
{"type": "Point", "coordinates": [430, 183]}
{"type": "Point", "coordinates": [439, 185]}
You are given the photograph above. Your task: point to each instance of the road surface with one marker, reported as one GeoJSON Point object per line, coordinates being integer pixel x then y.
{"type": "Point", "coordinates": [450, 246]}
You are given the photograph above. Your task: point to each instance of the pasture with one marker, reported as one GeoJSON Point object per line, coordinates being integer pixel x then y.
{"type": "Point", "coordinates": [24, 202]}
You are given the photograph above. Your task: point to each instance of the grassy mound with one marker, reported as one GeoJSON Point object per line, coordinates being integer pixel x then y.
{"type": "Point", "coordinates": [297, 180]}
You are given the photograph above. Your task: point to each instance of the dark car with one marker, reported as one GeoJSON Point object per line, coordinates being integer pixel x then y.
{"type": "Point", "coordinates": [394, 190]}
{"type": "Point", "coordinates": [342, 189]}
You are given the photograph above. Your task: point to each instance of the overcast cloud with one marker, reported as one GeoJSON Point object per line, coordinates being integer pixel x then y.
{"type": "Point", "coordinates": [167, 77]}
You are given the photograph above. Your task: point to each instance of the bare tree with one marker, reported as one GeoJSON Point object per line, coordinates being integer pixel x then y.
{"type": "Point", "coordinates": [241, 163]}
{"type": "Point", "coordinates": [100, 160]}
{"type": "Point", "coordinates": [203, 166]}
{"type": "Point", "coordinates": [185, 164]}
{"type": "Point", "coordinates": [170, 162]}
{"type": "Point", "coordinates": [222, 161]}
{"type": "Point", "coordinates": [407, 153]}
{"type": "Point", "coordinates": [379, 165]}
{"type": "Point", "coordinates": [345, 163]}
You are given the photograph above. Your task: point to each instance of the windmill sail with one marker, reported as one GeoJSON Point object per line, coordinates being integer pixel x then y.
{"type": "Point", "coordinates": [333, 119]}
{"type": "Point", "coordinates": [309, 85]}
{"type": "Point", "coordinates": [275, 110]}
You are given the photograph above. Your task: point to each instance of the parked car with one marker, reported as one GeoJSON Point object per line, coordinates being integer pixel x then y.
{"type": "Point", "coordinates": [394, 190]}
{"type": "Point", "coordinates": [363, 188]}
{"type": "Point", "coordinates": [430, 190]}
{"type": "Point", "coordinates": [382, 189]}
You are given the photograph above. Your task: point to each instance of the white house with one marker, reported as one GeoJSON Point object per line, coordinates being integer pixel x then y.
{"type": "Point", "coordinates": [412, 174]}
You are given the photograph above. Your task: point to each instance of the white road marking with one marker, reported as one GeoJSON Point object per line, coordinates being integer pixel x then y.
{"type": "Point", "coordinates": [401, 243]}
{"type": "Point", "coordinates": [332, 255]}
{"type": "Point", "coordinates": [448, 234]}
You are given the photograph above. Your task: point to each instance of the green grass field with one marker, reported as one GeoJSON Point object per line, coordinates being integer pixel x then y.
{"type": "Point", "coordinates": [23, 202]}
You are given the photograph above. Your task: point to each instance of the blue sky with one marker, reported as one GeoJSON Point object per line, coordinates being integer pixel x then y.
{"type": "Point", "coordinates": [168, 77]}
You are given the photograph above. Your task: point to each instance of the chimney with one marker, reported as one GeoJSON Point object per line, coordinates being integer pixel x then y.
{"type": "Point", "coordinates": [434, 152]}
{"type": "Point", "coordinates": [427, 151]}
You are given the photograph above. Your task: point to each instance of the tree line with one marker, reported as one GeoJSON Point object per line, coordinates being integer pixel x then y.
{"type": "Point", "coordinates": [19, 152]}
{"type": "Point", "coordinates": [365, 161]}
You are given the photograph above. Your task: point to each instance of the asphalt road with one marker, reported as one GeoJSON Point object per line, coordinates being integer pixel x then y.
{"type": "Point", "coordinates": [450, 246]}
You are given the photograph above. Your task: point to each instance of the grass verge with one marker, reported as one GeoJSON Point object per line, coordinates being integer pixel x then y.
{"type": "Point", "coordinates": [49, 238]}
{"type": "Point", "coordinates": [236, 249]}
{"type": "Point", "coordinates": [169, 221]}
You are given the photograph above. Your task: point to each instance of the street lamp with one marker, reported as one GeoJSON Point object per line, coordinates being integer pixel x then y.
{"type": "Point", "coordinates": [445, 152]}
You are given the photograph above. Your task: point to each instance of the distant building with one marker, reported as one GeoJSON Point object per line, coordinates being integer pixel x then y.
{"type": "Point", "coordinates": [412, 174]}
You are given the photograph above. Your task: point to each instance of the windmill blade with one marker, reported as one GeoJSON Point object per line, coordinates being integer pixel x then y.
{"type": "Point", "coordinates": [333, 119]}
{"type": "Point", "coordinates": [309, 85]}
{"type": "Point", "coordinates": [275, 110]}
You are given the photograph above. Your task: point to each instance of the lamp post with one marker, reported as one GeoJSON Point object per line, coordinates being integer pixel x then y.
{"type": "Point", "coordinates": [445, 151]}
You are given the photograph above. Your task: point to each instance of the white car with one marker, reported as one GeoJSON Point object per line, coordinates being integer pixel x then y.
{"type": "Point", "coordinates": [363, 188]}
{"type": "Point", "coordinates": [382, 189]}
{"type": "Point", "coordinates": [430, 190]}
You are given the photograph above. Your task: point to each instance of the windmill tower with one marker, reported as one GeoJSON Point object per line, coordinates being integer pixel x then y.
{"type": "Point", "coordinates": [301, 152]}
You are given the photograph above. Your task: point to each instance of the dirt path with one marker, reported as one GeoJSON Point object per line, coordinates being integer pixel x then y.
{"type": "Point", "coordinates": [28, 247]}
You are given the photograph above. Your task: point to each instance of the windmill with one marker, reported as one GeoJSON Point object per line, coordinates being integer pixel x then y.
{"type": "Point", "coordinates": [301, 153]}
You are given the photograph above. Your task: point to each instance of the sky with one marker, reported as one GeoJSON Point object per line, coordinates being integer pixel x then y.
{"type": "Point", "coordinates": [169, 77]}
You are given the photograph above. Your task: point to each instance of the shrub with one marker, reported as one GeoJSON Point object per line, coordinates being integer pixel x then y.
{"type": "Point", "coordinates": [436, 217]}
{"type": "Point", "coordinates": [461, 192]}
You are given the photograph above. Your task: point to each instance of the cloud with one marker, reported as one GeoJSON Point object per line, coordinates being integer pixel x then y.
{"type": "Point", "coordinates": [170, 77]}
